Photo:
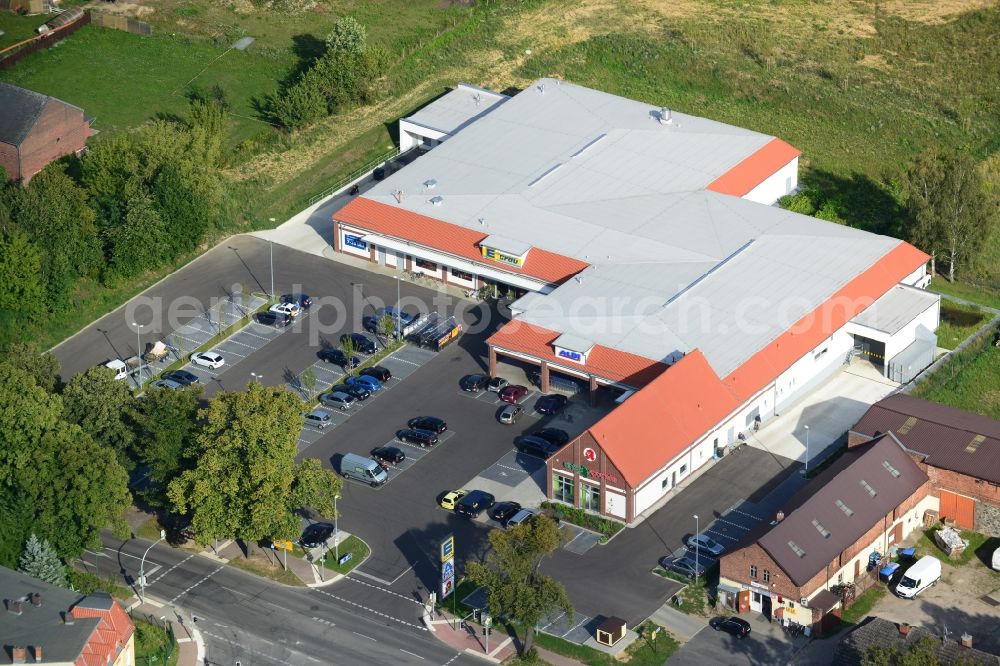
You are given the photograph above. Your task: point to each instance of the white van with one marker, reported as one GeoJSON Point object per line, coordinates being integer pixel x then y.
{"type": "Point", "coordinates": [365, 470]}
{"type": "Point", "coordinates": [996, 559]}
{"type": "Point", "coordinates": [923, 574]}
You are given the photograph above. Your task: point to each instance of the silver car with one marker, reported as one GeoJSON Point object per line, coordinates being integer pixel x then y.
{"type": "Point", "coordinates": [705, 545]}
{"type": "Point", "coordinates": [338, 399]}
{"type": "Point", "coordinates": [510, 414]}
{"type": "Point", "coordinates": [318, 418]}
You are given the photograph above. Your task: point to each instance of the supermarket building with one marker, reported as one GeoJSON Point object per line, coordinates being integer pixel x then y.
{"type": "Point", "coordinates": [652, 263]}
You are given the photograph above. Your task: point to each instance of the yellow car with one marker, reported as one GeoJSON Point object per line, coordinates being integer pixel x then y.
{"type": "Point", "coordinates": [450, 499]}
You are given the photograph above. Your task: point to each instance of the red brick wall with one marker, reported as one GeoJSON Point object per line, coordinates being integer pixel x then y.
{"type": "Point", "coordinates": [607, 473]}
{"type": "Point", "coordinates": [963, 484]}
{"type": "Point", "coordinates": [60, 130]}
{"type": "Point", "coordinates": [8, 160]}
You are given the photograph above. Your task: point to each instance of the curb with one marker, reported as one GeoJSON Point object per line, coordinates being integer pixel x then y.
{"type": "Point", "coordinates": [486, 657]}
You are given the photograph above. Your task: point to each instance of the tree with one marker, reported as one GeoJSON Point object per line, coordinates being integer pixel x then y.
{"type": "Point", "coordinates": [165, 423]}
{"type": "Point", "coordinates": [308, 381]}
{"type": "Point", "coordinates": [101, 404]}
{"type": "Point", "coordinates": [952, 214]}
{"type": "Point", "coordinates": [40, 561]}
{"type": "Point", "coordinates": [315, 487]}
{"type": "Point", "coordinates": [299, 105]}
{"type": "Point", "coordinates": [387, 326]}
{"type": "Point", "coordinates": [136, 243]}
{"type": "Point", "coordinates": [21, 286]}
{"type": "Point", "coordinates": [27, 412]}
{"type": "Point", "coordinates": [348, 347]}
{"type": "Point", "coordinates": [241, 483]}
{"type": "Point", "coordinates": [514, 585]}
{"type": "Point", "coordinates": [347, 36]}
{"type": "Point", "coordinates": [42, 366]}
{"type": "Point", "coordinates": [17, 516]}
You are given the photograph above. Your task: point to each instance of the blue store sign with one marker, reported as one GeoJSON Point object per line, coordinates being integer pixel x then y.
{"type": "Point", "coordinates": [355, 241]}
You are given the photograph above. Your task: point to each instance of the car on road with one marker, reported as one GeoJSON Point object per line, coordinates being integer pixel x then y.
{"type": "Point", "coordinates": [736, 626]}
{"type": "Point", "coordinates": [339, 399]}
{"type": "Point", "coordinates": [510, 414]}
{"type": "Point", "coordinates": [355, 390]}
{"type": "Point", "coordinates": [304, 301]}
{"type": "Point", "coordinates": [182, 377]}
{"type": "Point", "coordinates": [685, 565]}
{"type": "Point", "coordinates": [551, 405]}
{"type": "Point", "coordinates": [167, 384]}
{"type": "Point", "coordinates": [362, 343]}
{"type": "Point", "coordinates": [379, 372]}
{"type": "Point", "coordinates": [275, 319]}
{"type": "Point", "coordinates": [496, 384]}
{"type": "Point", "coordinates": [211, 360]}
{"type": "Point", "coordinates": [316, 535]}
{"type": "Point", "coordinates": [534, 446]}
{"type": "Point", "coordinates": [474, 503]}
{"type": "Point", "coordinates": [554, 436]}
{"type": "Point", "coordinates": [338, 357]}
{"type": "Point", "coordinates": [473, 383]}
{"type": "Point", "coordinates": [503, 511]}
{"type": "Point", "coordinates": [389, 454]}
{"type": "Point", "coordinates": [432, 423]}
{"type": "Point", "coordinates": [513, 393]}
{"type": "Point", "coordinates": [318, 418]}
{"type": "Point", "coordinates": [451, 498]}
{"type": "Point", "coordinates": [705, 545]}
{"type": "Point", "coordinates": [522, 516]}
{"type": "Point", "coordinates": [290, 309]}
{"type": "Point", "coordinates": [424, 438]}
{"type": "Point", "coordinates": [365, 381]}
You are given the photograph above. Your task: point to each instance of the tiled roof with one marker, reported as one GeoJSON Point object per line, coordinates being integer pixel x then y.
{"type": "Point", "coordinates": [812, 329]}
{"type": "Point", "coordinates": [662, 419]}
{"type": "Point", "coordinates": [111, 634]}
{"type": "Point", "coordinates": [950, 438]}
{"type": "Point", "coordinates": [601, 361]}
{"type": "Point", "coordinates": [19, 111]}
{"type": "Point", "coordinates": [755, 169]}
{"type": "Point", "coordinates": [400, 223]}
{"type": "Point", "coordinates": [878, 632]}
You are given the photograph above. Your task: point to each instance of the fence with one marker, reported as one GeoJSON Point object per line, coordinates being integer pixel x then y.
{"type": "Point", "coordinates": [353, 176]}
{"type": "Point", "coordinates": [12, 54]}
{"type": "Point", "coordinates": [118, 22]}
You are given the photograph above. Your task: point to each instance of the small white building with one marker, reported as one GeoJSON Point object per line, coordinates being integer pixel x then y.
{"type": "Point", "coordinates": [446, 115]}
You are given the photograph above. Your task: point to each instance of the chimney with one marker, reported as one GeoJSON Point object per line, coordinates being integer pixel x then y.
{"type": "Point", "coordinates": [36, 599]}
{"type": "Point", "coordinates": [13, 606]}
{"type": "Point", "coordinates": [904, 629]}
{"type": "Point", "coordinates": [68, 618]}
{"type": "Point", "coordinates": [18, 655]}
{"type": "Point", "coordinates": [780, 517]}
{"type": "Point", "coordinates": [966, 641]}
{"type": "Point", "coordinates": [37, 649]}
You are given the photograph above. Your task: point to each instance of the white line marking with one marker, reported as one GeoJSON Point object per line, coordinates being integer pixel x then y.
{"type": "Point", "coordinates": [171, 568]}
{"type": "Point", "coordinates": [382, 589]}
{"type": "Point", "coordinates": [370, 610]}
{"type": "Point", "coordinates": [217, 570]}
{"type": "Point", "coordinates": [363, 636]}
{"type": "Point", "coordinates": [412, 654]}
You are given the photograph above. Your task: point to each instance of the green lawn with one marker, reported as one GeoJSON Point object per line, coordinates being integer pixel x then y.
{"type": "Point", "coordinates": [352, 545]}
{"type": "Point", "coordinates": [863, 605]}
{"type": "Point", "coordinates": [645, 651]}
{"type": "Point", "coordinates": [18, 28]}
{"type": "Point", "coordinates": [928, 546]}
{"type": "Point", "coordinates": [971, 292]}
{"type": "Point", "coordinates": [957, 323]}
{"type": "Point", "coordinates": [153, 645]}
{"type": "Point", "coordinates": [975, 388]}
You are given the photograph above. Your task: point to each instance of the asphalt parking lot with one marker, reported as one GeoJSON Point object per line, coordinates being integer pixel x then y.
{"type": "Point", "coordinates": [766, 644]}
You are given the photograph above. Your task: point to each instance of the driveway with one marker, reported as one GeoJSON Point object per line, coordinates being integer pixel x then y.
{"type": "Point", "coordinates": [766, 644]}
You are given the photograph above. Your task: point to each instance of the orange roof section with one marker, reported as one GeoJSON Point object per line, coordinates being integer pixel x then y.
{"type": "Point", "coordinates": [664, 418]}
{"type": "Point", "coordinates": [602, 361]}
{"type": "Point", "coordinates": [109, 636]}
{"type": "Point", "coordinates": [400, 223]}
{"type": "Point", "coordinates": [755, 169]}
{"type": "Point", "coordinates": [813, 328]}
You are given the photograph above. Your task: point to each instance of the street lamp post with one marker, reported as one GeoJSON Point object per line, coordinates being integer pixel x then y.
{"type": "Point", "coordinates": [805, 470]}
{"type": "Point", "coordinates": [138, 341]}
{"type": "Point", "coordinates": [256, 378]}
{"type": "Point", "coordinates": [271, 246]}
{"type": "Point", "coordinates": [399, 328]}
{"type": "Point", "coordinates": [142, 567]}
{"type": "Point", "coordinates": [336, 530]}
{"type": "Point", "coordinates": [697, 533]}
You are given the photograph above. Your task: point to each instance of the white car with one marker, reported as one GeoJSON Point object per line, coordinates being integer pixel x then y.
{"type": "Point", "coordinates": [167, 384]}
{"type": "Point", "coordinates": [211, 360]}
{"type": "Point", "coordinates": [290, 309]}
{"type": "Point", "coordinates": [705, 545]}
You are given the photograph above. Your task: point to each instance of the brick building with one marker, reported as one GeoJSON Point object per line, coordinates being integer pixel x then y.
{"type": "Point", "coordinates": [35, 130]}
{"type": "Point", "coordinates": [876, 632]}
{"type": "Point", "coordinates": [959, 451]}
{"type": "Point", "coordinates": [871, 498]}
{"type": "Point", "coordinates": [45, 624]}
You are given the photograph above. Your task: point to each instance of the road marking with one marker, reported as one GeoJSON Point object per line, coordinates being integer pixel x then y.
{"type": "Point", "coordinates": [254, 653]}
{"type": "Point", "coordinates": [553, 620]}
{"type": "Point", "coordinates": [172, 568]}
{"type": "Point", "coordinates": [457, 655]}
{"type": "Point", "coordinates": [368, 575]}
{"type": "Point", "coordinates": [412, 654]}
{"type": "Point", "coordinates": [382, 589]}
{"type": "Point", "coordinates": [370, 610]}
{"type": "Point", "coordinates": [577, 626]}
{"type": "Point", "coordinates": [217, 570]}
{"type": "Point", "coordinates": [363, 636]}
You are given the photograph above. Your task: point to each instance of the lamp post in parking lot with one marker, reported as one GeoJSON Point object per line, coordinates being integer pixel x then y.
{"type": "Point", "coordinates": [399, 329]}
{"type": "Point", "coordinates": [138, 341]}
{"type": "Point", "coordinates": [336, 530]}
{"type": "Point", "coordinates": [697, 533]}
{"type": "Point", "coordinates": [805, 470]}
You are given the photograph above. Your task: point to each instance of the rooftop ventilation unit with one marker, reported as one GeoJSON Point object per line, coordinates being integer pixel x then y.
{"type": "Point", "coordinates": [399, 195]}
{"type": "Point", "coordinates": [477, 98]}
{"type": "Point", "coordinates": [437, 201]}
{"type": "Point", "coordinates": [430, 184]}
{"type": "Point", "coordinates": [666, 116]}
{"type": "Point", "coordinates": [541, 88]}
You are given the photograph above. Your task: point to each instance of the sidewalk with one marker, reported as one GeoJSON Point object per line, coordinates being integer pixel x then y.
{"type": "Point", "coordinates": [308, 572]}
{"type": "Point", "coordinates": [470, 638]}
{"type": "Point", "coordinates": [191, 649]}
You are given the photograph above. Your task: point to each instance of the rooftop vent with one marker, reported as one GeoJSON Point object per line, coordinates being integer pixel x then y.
{"type": "Point", "coordinates": [477, 98]}
{"type": "Point", "coordinates": [68, 618]}
{"type": "Point", "coordinates": [35, 598]}
{"type": "Point", "coordinates": [13, 606]}
{"type": "Point", "coordinates": [482, 221]}
{"type": "Point", "coordinates": [666, 116]}
{"type": "Point", "coordinates": [579, 279]}
{"type": "Point", "coordinates": [399, 195]}
{"type": "Point", "coordinates": [541, 88]}
{"type": "Point", "coordinates": [430, 184]}
{"type": "Point", "coordinates": [437, 201]}
{"type": "Point", "coordinates": [37, 652]}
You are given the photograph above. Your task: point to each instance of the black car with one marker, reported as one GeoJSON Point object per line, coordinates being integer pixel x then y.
{"type": "Point", "coordinates": [424, 438]}
{"type": "Point", "coordinates": [554, 436]}
{"type": "Point", "coordinates": [182, 377]}
{"type": "Point", "coordinates": [551, 404]}
{"type": "Point", "coordinates": [379, 372]}
{"type": "Point", "coordinates": [369, 323]}
{"type": "Point", "coordinates": [359, 392]}
{"type": "Point", "coordinates": [362, 343]}
{"type": "Point", "coordinates": [431, 423]}
{"type": "Point", "coordinates": [339, 358]}
{"type": "Point", "coordinates": [534, 446]}
{"type": "Point", "coordinates": [276, 319]}
{"type": "Point", "coordinates": [503, 511]}
{"type": "Point", "coordinates": [731, 625]}
{"type": "Point", "coordinates": [304, 301]}
{"type": "Point", "coordinates": [474, 383]}
{"type": "Point", "coordinates": [389, 454]}
{"type": "Point", "coordinates": [686, 566]}
{"type": "Point", "coordinates": [316, 534]}
{"type": "Point", "coordinates": [474, 503]}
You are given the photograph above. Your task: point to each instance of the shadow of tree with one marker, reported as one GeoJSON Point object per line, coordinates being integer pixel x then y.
{"type": "Point", "coordinates": [862, 202]}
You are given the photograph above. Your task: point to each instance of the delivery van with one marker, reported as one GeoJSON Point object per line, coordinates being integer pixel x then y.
{"type": "Point", "coordinates": [919, 577]}
{"type": "Point", "coordinates": [365, 470]}
{"type": "Point", "coordinates": [996, 559]}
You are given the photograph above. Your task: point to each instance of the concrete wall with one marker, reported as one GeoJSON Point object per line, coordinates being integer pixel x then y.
{"type": "Point", "coordinates": [781, 182]}
{"type": "Point", "coordinates": [929, 319]}
{"type": "Point", "coordinates": [411, 134]}
{"type": "Point", "coordinates": [350, 249]}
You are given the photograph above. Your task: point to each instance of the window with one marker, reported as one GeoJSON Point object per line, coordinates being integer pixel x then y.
{"type": "Point", "coordinates": [462, 275]}
{"type": "Point", "coordinates": [767, 576]}
{"type": "Point", "coordinates": [426, 265]}
{"type": "Point", "coordinates": [822, 530]}
{"type": "Point", "coordinates": [868, 488]}
{"type": "Point", "coordinates": [791, 605]}
{"type": "Point", "coordinates": [846, 509]}
{"type": "Point", "coordinates": [889, 468]}
{"type": "Point", "coordinates": [840, 578]}
{"type": "Point", "coordinates": [665, 483]}
{"type": "Point", "coordinates": [563, 488]}
{"type": "Point", "coordinates": [819, 354]}
{"type": "Point", "coordinates": [591, 497]}
{"type": "Point", "coordinates": [797, 549]}
{"type": "Point", "coordinates": [753, 571]}
{"type": "Point", "coordinates": [684, 469]}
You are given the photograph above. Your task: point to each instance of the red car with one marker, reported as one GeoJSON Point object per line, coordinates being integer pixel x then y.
{"type": "Point", "coordinates": [513, 393]}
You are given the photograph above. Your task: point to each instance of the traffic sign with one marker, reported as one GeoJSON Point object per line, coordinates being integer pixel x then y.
{"type": "Point", "coordinates": [448, 569]}
{"type": "Point", "coordinates": [448, 548]}
{"type": "Point", "coordinates": [447, 587]}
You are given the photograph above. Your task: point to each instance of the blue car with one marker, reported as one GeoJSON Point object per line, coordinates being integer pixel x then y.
{"type": "Point", "coordinates": [365, 381]}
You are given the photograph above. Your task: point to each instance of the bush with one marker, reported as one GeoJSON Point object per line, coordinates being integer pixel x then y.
{"type": "Point", "coordinates": [607, 528]}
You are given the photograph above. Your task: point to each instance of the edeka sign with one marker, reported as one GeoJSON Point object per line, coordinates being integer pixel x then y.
{"type": "Point", "coordinates": [590, 474]}
{"type": "Point", "coordinates": [355, 241]}
{"type": "Point", "coordinates": [496, 255]}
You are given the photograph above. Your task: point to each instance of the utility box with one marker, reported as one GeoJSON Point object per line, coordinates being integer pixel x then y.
{"type": "Point", "coordinates": [611, 631]}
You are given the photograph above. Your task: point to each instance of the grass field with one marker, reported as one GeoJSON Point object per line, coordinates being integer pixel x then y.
{"type": "Point", "coordinates": [976, 388]}
{"type": "Point", "coordinates": [17, 28]}
{"type": "Point", "coordinates": [957, 323]}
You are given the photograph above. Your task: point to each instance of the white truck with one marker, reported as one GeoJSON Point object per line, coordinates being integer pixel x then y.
{"type": "Point", "coordinates": [124, 368]}
{"type": "Point", "coordinates": [923, 574]}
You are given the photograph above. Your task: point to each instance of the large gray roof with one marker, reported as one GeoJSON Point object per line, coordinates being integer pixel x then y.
{"type": "Point", "coordinates": [896, 308]}
{"type": "Point", "coordinates": [457, 108]}
{"type": "Point", "coordinates": [19, 110]}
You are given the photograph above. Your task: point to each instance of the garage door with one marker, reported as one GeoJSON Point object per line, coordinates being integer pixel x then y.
{"type": "Point", "coordinates": [958, 508]}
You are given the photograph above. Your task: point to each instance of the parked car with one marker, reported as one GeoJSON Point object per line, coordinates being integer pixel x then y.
{"type": "Point", "coordinates": [925, 573]}
{"type": "Point", "coordinates": [379, 372]}
{"type": "Point", "coordinates": [551, 404]}
{"type": "Point", "coordinates": [731, 625]}
{"type": "Point", "coordinates": [685, 565]}
{"type": "Point", "coordinates": [497, 384]}
{"type": "Point", "coordinates": [503, 511]}
{"type": "Point", "coordinates": [424, 438]}
{"type": "Point", "coordinates": [355, 390]}
{"type": "Point", "coordinates": [522, 516]}
{"type": "Point", "coordinates": [554, 436]}
{"type": "Point", "coordinates": [211, 360]}
{"type": "Point", "coordinates": [432, 423]}
{"type": "Point", "coordinates": [318, 418]}
{"type": "Point", "coordinates": [474, 503]}
{"type": "Point", "coordinates": [513, 393]}
{"type": "Point", "coordinates": [511, 414]}
{"type": "Point", "coordinates": [362, 343]}
{"type": "Point", "coordinates": [275, 319]}
{"type": "Point", "coordinates": [404, 317]}
{"type": "Point", "coordinates": [339, 399]}
{"type": "Point", "coordinates": [338, 357]}
{"type": "Point", "coordinates": [451, 498]}
{"type": "Point", "coordinates": [365, 381]}
{"type": "Point", "coordinates": [474, 383]}
{"type": "Point", "coordinates": [705, 545]}
{"type": "Point", "coordinates": [389, 454]}
{"type": "Point", "coordinates": [304, 301]}
{"type": "Point", "coordinates": [182, 377]}
{"type": "Point", "coordinates": [534, 446]}
{"type": "Point", "coordinates": [316, 535]}
{"type": "Point", "coordinates": [167, 384]}
{"type": "Point", "coordinates": [370, 324]}
{"type": "Point", "coordinates": [290, 309]}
